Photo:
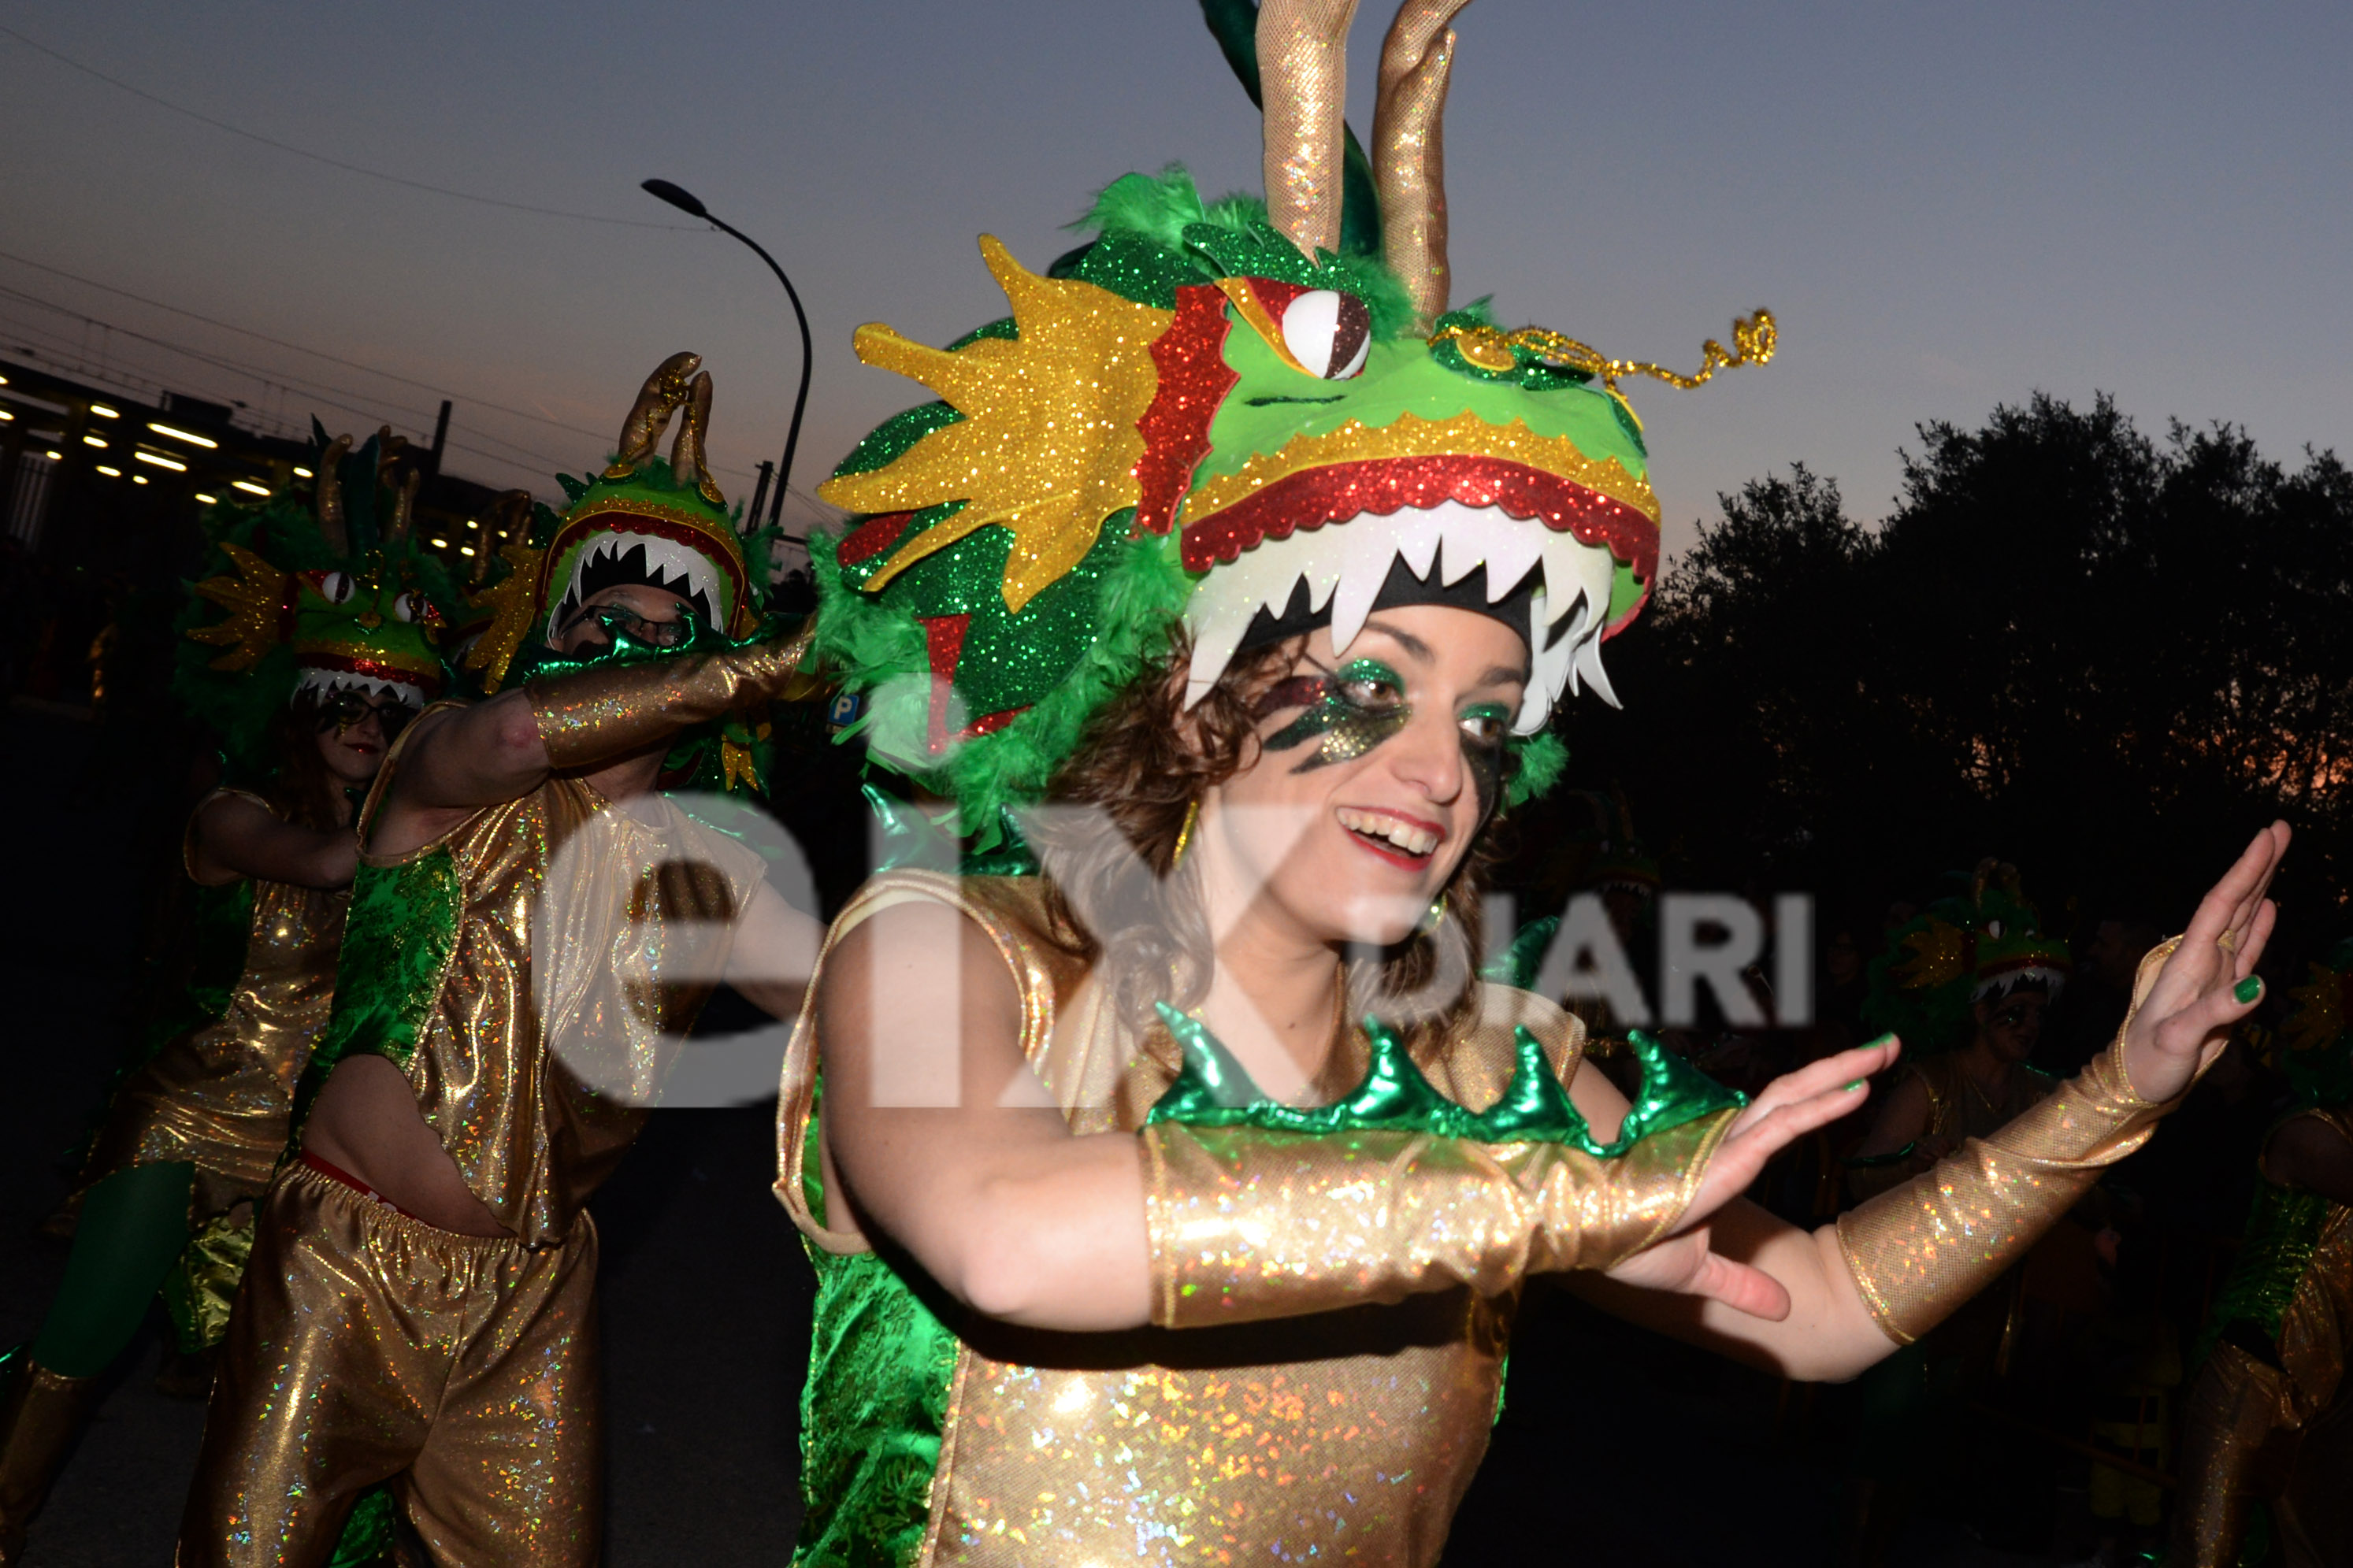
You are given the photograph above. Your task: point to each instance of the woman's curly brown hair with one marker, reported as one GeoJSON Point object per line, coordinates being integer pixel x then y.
{"type": "Point", "coordinates": [1117, 894]}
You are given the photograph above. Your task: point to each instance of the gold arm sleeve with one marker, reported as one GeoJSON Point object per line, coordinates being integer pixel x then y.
{"type": "Point", "coordinates": [595, 714]}
{"type": "Point", "coordinates": [1247, 1224]}
{"type": "Point", "coordinates": [1919, 1250]}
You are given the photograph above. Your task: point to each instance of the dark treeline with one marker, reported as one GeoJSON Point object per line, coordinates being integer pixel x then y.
{"type": "Point", "coordinates": [2105, 657]}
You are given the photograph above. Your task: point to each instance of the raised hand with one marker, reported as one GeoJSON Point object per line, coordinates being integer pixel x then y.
{"type": "Point", "coordinates": [2209, 982]}
{"type": "Point", "coordinates": [1787, 1110]}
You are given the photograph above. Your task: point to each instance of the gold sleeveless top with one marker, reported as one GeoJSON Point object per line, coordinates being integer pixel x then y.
{"type": "Point", "coordinates": [1346, 1435]}
{"type": "Point", "coordinates": [534, 972]}
{"type": "Point", "coordinates": [220, 1096]}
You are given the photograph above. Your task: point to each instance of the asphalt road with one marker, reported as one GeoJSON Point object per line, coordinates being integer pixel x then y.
{"type": "Point", "coordinates": [1612, 1447]}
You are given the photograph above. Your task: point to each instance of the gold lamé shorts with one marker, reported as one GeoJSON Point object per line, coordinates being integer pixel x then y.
{"type": "Point", "coordinates": [368, 1346]}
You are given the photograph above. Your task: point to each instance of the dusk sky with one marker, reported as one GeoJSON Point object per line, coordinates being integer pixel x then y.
{"type": "Point", "coordinates": [1946, 206]}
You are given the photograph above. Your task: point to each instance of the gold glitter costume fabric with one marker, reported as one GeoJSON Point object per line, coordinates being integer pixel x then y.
{"type": "Point", "coordinates": [220, 1096]}
{"type": "Point", "coordinates": [1248, 1225]}
{"type": "Point", "coordinates": [2245, 1417]}
{"type": "Point", "coordinates": [1348, 1433]}
{"type": "Point", "coordinates": [1957, 1110]}
{"type": "Point", "coordinates": [595, 714]}
{"type": "Point", "coordinates": [1920, 1250]}
{"type": "Point", "coordinates": [587, 937]}
{"type": "Point", "coordinates": [368, 1345]}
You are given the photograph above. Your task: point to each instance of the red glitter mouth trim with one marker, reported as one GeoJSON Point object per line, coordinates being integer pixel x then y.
{"type": "Point", "coordinates": [373, 669]}
{"type": "Point", "coordinates": [1383, 486]}
{"type": "Point", "coordinates": [1194, 381]}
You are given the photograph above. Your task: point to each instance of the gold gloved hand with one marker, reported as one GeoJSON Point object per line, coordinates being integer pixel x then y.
{"type": "Point", "coordinates": [1919, 1250]}
{"type": "Point", "coordinates": [594, 715]}
{"type": "Point", "coordinates": [1247, 1223]}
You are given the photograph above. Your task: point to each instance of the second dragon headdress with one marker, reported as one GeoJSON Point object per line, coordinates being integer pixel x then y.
{"type": "Point", "coordinates": [1227, 413]}
{"type": "Point", "coordinates": [330, 597]}
{"type": "Point", "coordinates": [1958, 951]}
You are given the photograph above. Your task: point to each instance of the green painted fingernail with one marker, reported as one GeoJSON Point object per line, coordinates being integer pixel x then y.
{"type": "Point", "coordinates": [2247, 990]}
{"type": "Point", "coordinates": [1855, 1085]}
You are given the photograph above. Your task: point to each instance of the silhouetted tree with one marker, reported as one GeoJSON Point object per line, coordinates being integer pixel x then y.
{"type": "Point", "coordinates": [2105, 657]}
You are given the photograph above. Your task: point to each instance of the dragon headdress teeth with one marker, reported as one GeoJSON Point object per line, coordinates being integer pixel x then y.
{"type": "Point", "coordinates": [665, 525]}
{"type": "Point", "coordinates": [330, 598]}
{"type": "Point", "coordinates": [1211, 409]}
{"type": "Point", "coordinates": [642, 520]}
{"type": "Point", "coordinates": [1961, 951]}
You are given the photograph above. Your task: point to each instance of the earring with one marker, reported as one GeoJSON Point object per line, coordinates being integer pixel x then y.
{"type": "Point", "coordinates": [1434, 918]}
{"type": "Point", "coordinates": [1184, 833]}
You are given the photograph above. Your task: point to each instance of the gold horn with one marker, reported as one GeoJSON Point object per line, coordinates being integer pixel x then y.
{"type": "Point", "coordinates": [1409, 150]}
{"type": "Point", "coordinates": [649, 416]}
{"type": "Point", "coordinates": [327, 495]}
{"type": "Point", "coordinates": [1302, 65]}
{"type": "Point", "coordinates": [685, 461]}
{"type": "Point", "coordinates": [404, 505]}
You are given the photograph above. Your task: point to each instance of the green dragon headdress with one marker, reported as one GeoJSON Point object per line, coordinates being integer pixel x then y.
{"type": "Point", "coordinates": [331, 597]}
{"type": "Point", "coordinates": [1960, 951]}
{"type": "Point", "coordinates": [642, 520]}
{"type": "Point", "coordinates": [1231, 414]}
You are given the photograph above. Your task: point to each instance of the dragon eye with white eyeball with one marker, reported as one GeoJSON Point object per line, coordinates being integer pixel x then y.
{"type": "Point", "coordinates": [1328, 333]}
{"type": "Point", "coordinates": [335, 587]}
{"type": "Point", "coordinates": [405, 607]}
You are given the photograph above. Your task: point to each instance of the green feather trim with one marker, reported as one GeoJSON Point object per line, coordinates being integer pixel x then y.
{"type": "Point", "coordinates": [1538, 761]}
{"type": "Point", "coordinates": [869, 645]}
{"type": "Point", "coordinates": [1226, 239]}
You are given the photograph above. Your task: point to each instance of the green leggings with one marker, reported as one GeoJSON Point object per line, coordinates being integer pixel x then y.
{"type": "Point", "coordinates": [133, 1226]}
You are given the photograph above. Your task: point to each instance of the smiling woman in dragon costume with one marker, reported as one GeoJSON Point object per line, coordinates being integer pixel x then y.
{"type": "Point", "coordinates": [1262, 572]}
{"type": "Point", "coordinates": [310, 641]}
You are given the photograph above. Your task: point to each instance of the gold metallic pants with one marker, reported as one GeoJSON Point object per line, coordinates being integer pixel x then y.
{"type": "Point", "coordinates": [2237, 1445]}
{"type": "Point", "coordinates": [367, 1345]}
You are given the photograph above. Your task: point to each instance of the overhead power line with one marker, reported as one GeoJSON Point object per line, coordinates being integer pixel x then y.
{"type": "Point", "coordinates": [203, 119]}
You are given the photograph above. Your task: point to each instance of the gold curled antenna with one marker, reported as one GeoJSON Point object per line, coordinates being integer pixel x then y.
{"type": "Point", "coordinates": [687, 464]}
{"type": "Point", "coordinates": [327, 495]}
{"type": "Point", "coordinates": [1754, 339]}
{"type": "Point", "coordinates": [1409, 150]}
{"type": "Point", "coordinates": [1302, 65]}
{"type": "Point", "coordinates": [403, 508]}
{"type": "Point", "coordinates": [389, 450]}
{"type": "Point", "coordinates": [649, 416]}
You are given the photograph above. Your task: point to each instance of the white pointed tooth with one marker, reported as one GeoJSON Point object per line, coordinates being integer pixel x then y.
{"type": "Point", "coordinates": [1589, 663]}
{"type": "Point", "coordinates": [1217, 632]}
{"type": "Point", "coordinates": [1365, 558]}
{"type": "Point", "coordinates": [1511, 553]}
{"type": "Point", "coordinates": [1418, 536]}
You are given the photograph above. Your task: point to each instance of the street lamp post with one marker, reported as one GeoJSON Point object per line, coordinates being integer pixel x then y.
{"type": "Point", "coordinates": [687, 201]}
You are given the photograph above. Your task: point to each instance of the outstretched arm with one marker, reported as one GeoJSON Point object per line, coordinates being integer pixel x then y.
{"type": "Point", "coordinates": [940, 1138]}
{"type": "Point", "coordinates": [1895, 1268]}
{"type": "Point", "coordinates": [237, 837]}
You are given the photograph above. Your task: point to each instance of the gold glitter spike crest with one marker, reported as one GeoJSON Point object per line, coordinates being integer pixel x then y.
{"type": "Point", "coordinates": [1047, 445]}
{"type": "Point", "coordinates": [253, 598]}
{"type": "Point", "coordinates": [513, 603]}
{"type": "Point", "coordinates": [1754, 340]}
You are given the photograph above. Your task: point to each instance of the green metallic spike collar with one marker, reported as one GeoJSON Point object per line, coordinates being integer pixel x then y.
{"type": "Point", "coordinates": [1213, 1090]}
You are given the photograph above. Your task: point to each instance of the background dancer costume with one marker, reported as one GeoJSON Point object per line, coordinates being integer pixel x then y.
{"type": "Point", "coordinates": [370, 1344]}
{"type": "Point", "coordinates": [1244, 419]}
{"type": "Point", "coordinates": [330, 601]}
{"type": "Point", "coordinates": [2282, 1327]}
